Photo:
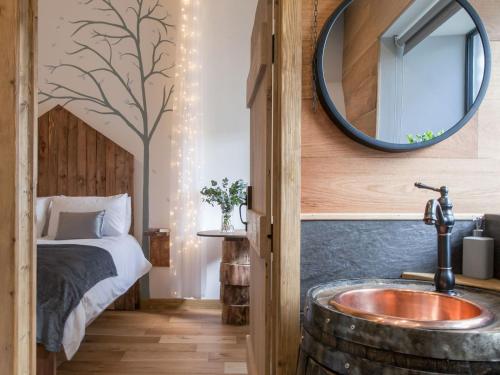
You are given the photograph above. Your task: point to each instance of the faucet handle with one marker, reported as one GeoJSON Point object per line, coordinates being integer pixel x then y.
{"type": "Point", "coordinates": [423, 186]}
{"type": "Point", "coordinates": [443, 190]}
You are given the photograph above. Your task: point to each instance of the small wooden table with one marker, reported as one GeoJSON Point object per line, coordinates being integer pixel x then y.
{"type": "Point", "coordinates": [234, 276]}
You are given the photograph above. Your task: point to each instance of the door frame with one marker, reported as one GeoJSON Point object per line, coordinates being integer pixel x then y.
{"type": "Point", "coordinates": [17, 185]}
{"type": "Point", "coordinates": [286, 182]}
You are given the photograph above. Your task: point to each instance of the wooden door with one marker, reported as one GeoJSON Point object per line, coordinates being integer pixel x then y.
{"type": "Point", "coordinates": [259, 100]}
{"type": "Point", "coordinates": [273, 96]}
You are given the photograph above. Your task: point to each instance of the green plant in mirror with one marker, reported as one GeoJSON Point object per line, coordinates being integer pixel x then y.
{"type": "Point", "coordinates": [426, 136]}
{"type": "Point", "coordinates": [226, 195]}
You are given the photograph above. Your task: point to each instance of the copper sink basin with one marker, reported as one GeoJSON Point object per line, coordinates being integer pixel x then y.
{"type": "Point", "coordinates": [411, 308]}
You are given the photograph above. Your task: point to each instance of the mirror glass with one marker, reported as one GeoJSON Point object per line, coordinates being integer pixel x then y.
{"type": "Point", "coordinates": [402, 71]}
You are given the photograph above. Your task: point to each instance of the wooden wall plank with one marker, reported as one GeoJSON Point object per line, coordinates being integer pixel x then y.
{"type": "Point", "coordinates": [325, 10]}
{"type": "Point", "coordinates": [62, 153]}
{"type": "Point", "coordinates": [81, 160]}
{"type": "Point", "coordinates": [489, 10]}
{"type": "Point", "coordinates": [121, 170]}
{"type": "Point", "coordinates": [72, 155]}
{"type": "Point", "coordinates": [130, 185]}
{"type": "Point", "coordinates": [101, 165]}
{"type": "Point", "coordinates": [373, 185]}
{"type": "Point", "coordinates": [53, 145]}
{"type": "Point", "coordinates": [91, 163]}
{"type": "Point", "coordinates": [110, 168]}
{"type": "Point", "coordinates": [43, 156]}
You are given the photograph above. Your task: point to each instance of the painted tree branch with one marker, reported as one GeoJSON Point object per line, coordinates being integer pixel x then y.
{"type": "Point", "coordinates": [106, 41]}
{"type": "Point", "coordinates": [164, 109]}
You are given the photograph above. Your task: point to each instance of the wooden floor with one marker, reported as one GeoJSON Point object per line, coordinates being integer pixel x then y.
{"type": "Point", "coordinates": [174, 341]}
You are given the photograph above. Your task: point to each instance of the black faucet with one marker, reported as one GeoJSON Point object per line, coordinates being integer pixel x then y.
{"type": "Point", "coordinates": [439, 212]}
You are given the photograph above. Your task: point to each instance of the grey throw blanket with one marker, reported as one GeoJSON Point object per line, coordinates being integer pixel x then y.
{"type": "Point", "coordinates": [64, 274]}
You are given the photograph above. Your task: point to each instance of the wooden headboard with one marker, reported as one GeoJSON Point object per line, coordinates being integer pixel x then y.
{"type": "Point", "coordinates": [76, 160]}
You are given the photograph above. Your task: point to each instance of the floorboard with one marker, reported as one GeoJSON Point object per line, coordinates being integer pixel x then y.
{"type": "Point", "coordinates": [160, 342]}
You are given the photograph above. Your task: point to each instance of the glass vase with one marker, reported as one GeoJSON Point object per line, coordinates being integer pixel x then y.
{"type": "Point", "coordinates": [226, 224]}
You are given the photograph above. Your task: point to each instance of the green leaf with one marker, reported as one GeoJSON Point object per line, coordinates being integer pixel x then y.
{"type": "Point", "coordinates": [226, 196]}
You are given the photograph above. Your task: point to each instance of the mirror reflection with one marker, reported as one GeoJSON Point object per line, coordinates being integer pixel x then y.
{"type": "Point", "coordinates": [403, 71]}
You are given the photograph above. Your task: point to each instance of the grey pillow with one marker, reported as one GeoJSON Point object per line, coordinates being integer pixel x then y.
{"type": "Point", "coordinates": [76, 225]}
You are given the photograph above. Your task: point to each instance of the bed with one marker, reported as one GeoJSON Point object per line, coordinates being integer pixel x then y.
{"type": "Point", "coordinates": [74, 160]}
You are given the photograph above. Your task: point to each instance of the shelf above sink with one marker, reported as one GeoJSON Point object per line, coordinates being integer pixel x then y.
{"type": "Point", "coordinates": [489, 284]}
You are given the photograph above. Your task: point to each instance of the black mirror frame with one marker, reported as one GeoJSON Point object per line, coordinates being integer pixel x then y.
{"type": "Point", "coordinates": [361, 137]}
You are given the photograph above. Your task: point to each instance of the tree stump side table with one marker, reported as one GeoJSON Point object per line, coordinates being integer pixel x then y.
{"type": "Point", "coordinates": [234, 276]}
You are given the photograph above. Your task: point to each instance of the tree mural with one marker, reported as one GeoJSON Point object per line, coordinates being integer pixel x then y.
{"type": "Point", "coordinates": [127, 46]}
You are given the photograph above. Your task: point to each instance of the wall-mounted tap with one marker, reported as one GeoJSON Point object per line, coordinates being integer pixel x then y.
{"type": "Point", "coordinates": [439, 212]}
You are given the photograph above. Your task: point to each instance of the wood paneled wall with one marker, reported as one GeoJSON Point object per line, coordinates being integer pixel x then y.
{"type": "Point", "coordinates": [342, 176]}
{"type": "Point", "coordinates": [361, 57]}
{"type": "Point", "coordinates": [76, 160]}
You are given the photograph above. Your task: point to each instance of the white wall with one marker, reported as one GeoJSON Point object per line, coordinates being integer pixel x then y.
{"type": "Point", "coordinates": [423, 90]}
{"type": "Point", "coordinates": [226, 27]}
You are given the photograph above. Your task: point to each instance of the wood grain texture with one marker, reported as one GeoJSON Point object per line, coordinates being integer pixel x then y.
{"type": "Point", "coordinates": [325, 9]}
{"type": "Point", "coordinates": [17, 179]}
{"type": "Point", "coordinates": [235, 314]}
{"type": "Point", "coordinates": [235, 281]}
{"type": "Point", "coordinates": [259, 215]}
{"type": "Point", "coordinates": [235, 274]}
{"type": "Point", "coordinates": [361, 57]}
{"type": "Point", "coordinates": [87, 163]}
{"type": "Point", "coordinates": [169, 341]}
{"type": "Point", "coordinates": [286, 188]}
{"type": "Point", "coordinates": [490, 14]}
{"type": "Point", "coordinates": [159, 248]}
{"type": "Point", "coordinates": [45, 361]}
{"type": "Point", "coordinates": [342, 176]}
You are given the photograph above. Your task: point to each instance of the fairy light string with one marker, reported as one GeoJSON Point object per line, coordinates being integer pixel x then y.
{"type": "Point", "coordinates": [185, 164]}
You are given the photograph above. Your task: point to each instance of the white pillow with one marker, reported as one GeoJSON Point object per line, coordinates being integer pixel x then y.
{"type": "Point", "coordinates": [42, 214]}
{"type": "Point", "coordinates": [128, 217]}
{"type": "Point", "coordinates": [115, 208]}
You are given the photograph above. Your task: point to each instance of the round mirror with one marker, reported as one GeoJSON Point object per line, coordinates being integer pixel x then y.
{"type": "Point", "coordinates": [399, 75]}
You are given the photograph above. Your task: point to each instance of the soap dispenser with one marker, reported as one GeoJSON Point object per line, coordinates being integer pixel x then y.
{"type": "Point", "coordinates": [478, 253]}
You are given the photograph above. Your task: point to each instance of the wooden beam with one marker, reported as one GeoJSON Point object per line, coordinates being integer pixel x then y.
{"type": "Point", "coordinates": [17, 167]}
{"type": "Point", "coordinates": [286, 180]}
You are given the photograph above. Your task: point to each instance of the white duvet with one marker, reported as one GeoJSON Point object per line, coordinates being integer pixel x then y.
{"type": "Point", "coordinates": [130, 265]}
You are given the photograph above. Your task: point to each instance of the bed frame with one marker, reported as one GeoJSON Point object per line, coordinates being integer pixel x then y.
{"type": "Point", "coordinates": [76, 160]}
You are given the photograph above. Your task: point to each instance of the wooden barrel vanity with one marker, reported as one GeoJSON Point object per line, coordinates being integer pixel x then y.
{"type": "Point", "coordinates": [335, 342]}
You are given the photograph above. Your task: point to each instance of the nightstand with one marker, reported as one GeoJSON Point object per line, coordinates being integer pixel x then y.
{"type": "Point", "coordinates": [234, 276]}
{"type": "Point", "coordinates": [159, 247]}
